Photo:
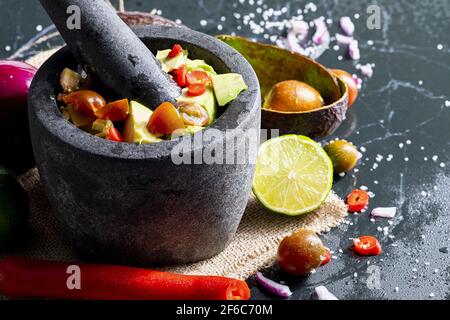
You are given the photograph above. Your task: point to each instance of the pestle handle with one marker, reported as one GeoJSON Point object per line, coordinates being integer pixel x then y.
{"type": "Point", "coordinates": [109, 49]}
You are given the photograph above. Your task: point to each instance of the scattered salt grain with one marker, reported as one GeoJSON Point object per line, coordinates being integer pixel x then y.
{"type": "Point", "coordinates": [440, 46]}
{"type": "Point", "coordinates": [401, 145]}
{"type": "Point", "coordinates": [434, 158]}
{"type": "Point", "coordinates": [447, 103]}
{"type": "Point", "coordinates": [432, 295]}
{"type": "Point", "coordinates": [203, 23]}
{"type": "Point", "coordinates": [408, 141]}
{"type": "Point", "coordinates": [406, 159]}
{"type": "Point", "coordinates": [366, 70]}
{"type": "Point", "coordinates": [8, 48]}
{"type": "Point", "coordinates": [39, 28]}
{"type": "Point", "coordinates": [442, 165]}
{"type": "Point", "coordinates": [396, 289]}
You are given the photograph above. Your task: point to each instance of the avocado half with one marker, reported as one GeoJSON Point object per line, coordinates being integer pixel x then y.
{"type": "Point", "coordinates": [273, 65]}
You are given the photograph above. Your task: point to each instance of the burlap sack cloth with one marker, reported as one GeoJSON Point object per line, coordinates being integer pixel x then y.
{"type": "Point", "coordinates": [254, 246]}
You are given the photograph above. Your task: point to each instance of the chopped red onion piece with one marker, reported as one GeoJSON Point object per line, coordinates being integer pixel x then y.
{"type": "Point", "coordinates": [321, 35]}
{"type": "Point", "coordinates": [384, 212]}
{"type": "Point", "coordinates": [300, 27]}
{"type": "Point", "coordinates": [324, 294]}
{"type": "Point", "coordinates": [292, 42]}
{"type": "Point", "coordinates": [353, 50]}
{"type": "Point", "coordinates": [367, 70]}
{"type": "Point", "coordinates": [272, 287]}
{"type": "Point", "coordinates": [343, 40]}
{"type": "Point", "coordinates": [347, 26]}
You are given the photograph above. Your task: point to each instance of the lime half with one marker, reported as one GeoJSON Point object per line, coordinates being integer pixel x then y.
{"type": "Point", "coordinates": [294, 175]}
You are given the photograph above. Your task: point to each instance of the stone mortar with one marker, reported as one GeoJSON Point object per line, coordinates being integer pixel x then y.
{"type": "Point", "coordinates": [130, 204]}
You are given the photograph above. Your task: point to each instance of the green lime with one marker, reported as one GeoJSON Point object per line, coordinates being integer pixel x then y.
{"type": "Point", "coordinates": [13, 209]}
{"type": "Point", "coordinates": [293, 176]}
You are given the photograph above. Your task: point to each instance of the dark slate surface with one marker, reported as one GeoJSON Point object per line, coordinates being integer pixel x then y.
{"type": "Point", "coordinates": [401, 112]}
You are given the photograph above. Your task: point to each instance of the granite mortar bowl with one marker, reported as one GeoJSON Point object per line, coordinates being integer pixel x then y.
{"type": "Point", "coordinates": [130, 204]}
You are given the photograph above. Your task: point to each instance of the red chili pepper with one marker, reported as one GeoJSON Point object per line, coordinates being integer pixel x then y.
{"type": "Point", "coordinates": [26, 278]}
{"type": "Point", "coordinates": [367, 246]}
{"type": "Point", "coordinates": [114, 135]}
{"type": "Point", "coordinates": [357, 200]}
{"type": "Point", "coordinates": [197, 77]}
{"type": "Point", "coordinates": [327, 257]}
{"type": "Point", "coordinates": [180, 76]}
{"type": "Point", "coordinates": [114, 111]}
{"type": "Point", "coordinates": [176, 50]}
{"type": "Point", "coordinates": [196, 90]}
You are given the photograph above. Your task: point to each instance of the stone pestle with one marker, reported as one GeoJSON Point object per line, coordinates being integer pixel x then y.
{"type": "Point", "coordinates": [107, 48]}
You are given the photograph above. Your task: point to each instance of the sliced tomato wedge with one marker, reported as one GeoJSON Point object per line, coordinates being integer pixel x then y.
{"type": "Point", "coordinates": [179, 76]}
{"type": "Point", "coordinates": [114, 135]}
{"type": "Point", "coordinates": [114, 111]}
{"type": "Point", "coordinates": [367, 246]}
{"type": "Point", "coordinates": [326, 257]}
{"type": "Point", "coordinates": [165, 120]}
{"type": "Point", "coordinates": [176, 50]}
{"type": "Point", "coordinates": [357, 200]}
{"type": "Point", "coordinates": [196, 90]}
{"type": "Point", "coordinates": [86, 102]}
{"type": "Point", "coordinates": [198, 77]}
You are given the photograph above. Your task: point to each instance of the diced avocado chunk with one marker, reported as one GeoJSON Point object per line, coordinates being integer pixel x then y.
{"type": "Point", "coordinates": [206, 100]}
{"type": "Point", "coordinates": [199, 64]}
{"type": "Point", "coordinates": [227, 87]}
{"type": "Point", "coordinates": [170, 64]}
{"type": "Point", "coordinates": [186, 131]}
{"type": "Point", "coordinates": [136, 125]}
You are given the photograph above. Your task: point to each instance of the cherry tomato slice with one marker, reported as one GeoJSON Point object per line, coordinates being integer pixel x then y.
{"type": "Point", "coordinates": [176, 50]}
{"type": "Point", "coordinates": [180, 76]}
{"type": "Point", "coordinates": [197, 77]}
{"type": "Point", "coordinates": [196, 90]}
{"type": "Point", "coordinates": [193, 114]}
{"type": "Point", "coordinates": [357, 200]}
{"type": "Point", "coordinates": [114, 111]}
{"type": "Point", "coordinates": [86, 102]}
{"type": "Point", "coordinates": [367, 246]}
{"type": "Point", "coordinates": [326, 257]}
{"type": "Point", "coordinates": [114, 135]}
{"type": "Point", "coordinates": [165, 120]}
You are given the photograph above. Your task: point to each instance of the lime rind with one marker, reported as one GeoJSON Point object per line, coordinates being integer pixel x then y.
{"type": "Point", "coordinates": [314, 188]}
